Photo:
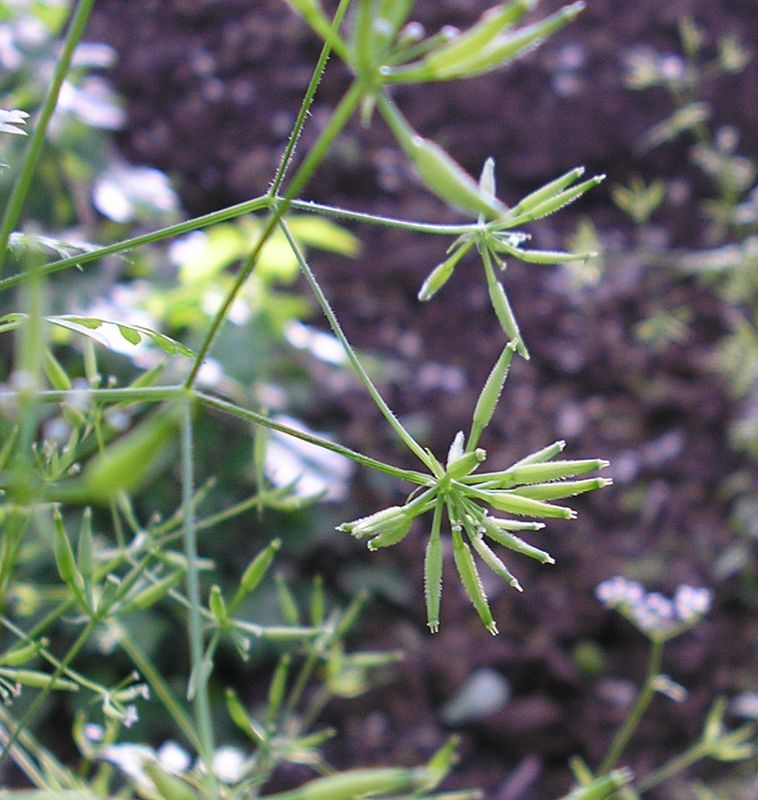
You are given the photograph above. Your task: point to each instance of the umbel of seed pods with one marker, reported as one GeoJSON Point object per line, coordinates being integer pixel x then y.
{"type": "Point", "coordinates": [470, 499]}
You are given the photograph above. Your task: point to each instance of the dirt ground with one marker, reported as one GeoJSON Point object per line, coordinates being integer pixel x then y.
{"type": "Point", "coordinates": [211, 89]}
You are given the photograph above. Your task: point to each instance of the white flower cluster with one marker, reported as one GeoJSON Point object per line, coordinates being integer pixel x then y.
{"type": "Point", "coordinates": [652, 612]}
{"type": "Point", "coordinates": [229, 763]}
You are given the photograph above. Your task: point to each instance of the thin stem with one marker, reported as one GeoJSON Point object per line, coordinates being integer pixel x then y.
{"type": "Point", "coordinates": [169, 232]}
{"type": "Point", "coordinates": [647, 692]}
{"type": "Point", "coordinates": [37, 139]}
{"type": "Point", "coordinates": [260, 419]}
{"type": "Point", "coordinates": [337, 122]}
{"type": "Point", "coordinates": [160, 687]}
{"type": "Point", "coordinates": [690, 756]}
{"type": "Point", "coordinates": [368, 384]}
{"type": "Point", "coordinates": [195, 625]}
{"type": "Point", "coordinates": [73, 651]}
{"type": "Point", "coordinates": [128, 394]}
{"type": "Point", "coordinates": [310, 94]}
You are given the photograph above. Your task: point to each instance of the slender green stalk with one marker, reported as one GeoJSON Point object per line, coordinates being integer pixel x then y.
{"type": "Point", "coordinates": [647, 692]}
{"type": "Point", "coordinates": [337, 122]}
{"type": "Point", "coordinates": [37, 139]}
{"type": "Point", "coordinates": [161, 689]}
{"type": "Point", "coordinates": [38, 701]}
{"type": "Point", "coordinates": [260, 419]}
{"type": "Point", "coordinates": [195, 625]}
{"type": "Point", "coordinates": [128, 394]}
{"type": "Point", "coordinates": [690, 756]}
{"type": "Point", "coordinates": [368, 384]}
{"type": "Point", "coordinates": [310, 94]}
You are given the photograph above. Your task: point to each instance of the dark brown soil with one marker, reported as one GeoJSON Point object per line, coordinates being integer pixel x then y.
{"type": "Point", "coordinates": [211, 89]}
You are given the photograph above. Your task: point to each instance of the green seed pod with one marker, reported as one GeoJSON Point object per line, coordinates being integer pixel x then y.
{"type": "Point", "coordinates": [169, 787]}
{"type": "Point", "coordinates": [505, 48]}
{"type": "Point", "coordinates": [502, 307]}
{"type": "Point", "coordinates": [154, 592]}
{"type": "Point", "coordinates": [85, 558]}
{"type": "Point", "coordinates": [516, 524]}
{"type": "Point", "coordinates": [8, 446]}
{"type": "Point", "coordinates": [490, 394]}
{"type": "Point", "coordinates": [551, 471]}
{"type": "Point", "coordinates": [239, 716]}
{"type": "Point", "coordinates": [55, 373]}
{"type": "Point", "coordinates": [555, 491]}
{"type": "Point", "coordinates": [441, 174]}
{"type": "Point", "coordinates": [471, 42]}
{"type": "Point", "coordinates": [64, 554]}
{"type": "Point", "coordinates": [217, 605]}
{"type": "Point", "coordinates": [547, 192]}
{"type": "Point", "coordinates": [317, 606]}
{"type": "Point", "coordinates": [364, 44]}
{"type": "Point", "coordinates": [487, 178]}
{"type": "Point", "coordinates": [442, 273]}
{"type": "Point", "coordinates": [130, 461]}
{"type": "Point", "coordinates": [464, 562]}
{"type": "Point", "coordinates": [20, 654]}
{"type": "Point", "coordinates": [494, 562]}
{"type": "Point", "coordinates": [277, 688]}
{"type": "Point", "coordinates": [466, 464]}
{"type": "Point", "coordinates": [556, 202]}
{"type": "Point", "coordinates": [393, 520]}
{"type": "Point", "coordinates": [355, 783]}
{"type": "Point", "coordinates": [390, 536]}
{"type": "Point", "coordinates": [287, 602]}
{"type": "Point", "coordinates": [540, 456]}
{"type": "Point", "coordinates": [503, 537]}
{"type": "Point", "coordinates": [525, 506]}
{"type": "Point", "coordinates": [604, 787]}
{"type": "Point", "coordinates": [38, 680]}
{"type": "Point", "coordinates": [433, 572]}
{"type": "Point", "coordinates": [541, 256]}
{"type": "Point", "coordinates": [254, 572]}
{"type": "Point", "coordinates": [351, 614]}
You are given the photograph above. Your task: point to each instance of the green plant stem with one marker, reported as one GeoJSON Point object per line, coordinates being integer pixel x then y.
{"type": "Point", "coordinates": [690, 756]}
{"type": "Point", "coordinates": [368, 384]}
{"type": "Point", "coordinates": [227, 407]}
{"type": "Point", "coordinates": [195, 625]}
{"type": "Point", "coordinates": [310, 94]}
{"type": "Point", "coordinates": [647, 692]}
{"type": "Point", "coordinates": [37, 140]}
{"type": "Point", "coordinates": [34, 706]}
{"type": "Point", "coordinates": [337, 122]}
{"type": "Point", "coordinates": [169, 232]}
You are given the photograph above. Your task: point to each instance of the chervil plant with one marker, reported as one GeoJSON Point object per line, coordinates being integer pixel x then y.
{"type": "Point", "coordinates": [102, 510]}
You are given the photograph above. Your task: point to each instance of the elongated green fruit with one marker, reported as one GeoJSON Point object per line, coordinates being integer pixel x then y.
{"type": "Point", "coordinates": [317, 606]}
{"type": "Point", "coordinates": [505, 48]}
{"type": "Point", "coordinates": [126, 464]}
{"type": "Point", "coordinates": [466, 463]}
{"type": "Point", "coordinates": [502, 307]}
{"type": "Point", "coordinates": [55, 373]}
{"type": "Point", "coordinates": [37, 680]}
{"type": "Point", "coordinates": [471, 42]}
{"type": "Point", "coordinates": [242, 719]}
{"type": "Point", "coordinates": [495, 563]}
{"type": "Point", "coordinates": [464, 562]}
{"type": "Point", "coordinates": [503, 537]}
{"type": "Point", "coordinates": [604, 787]}
{"type": "Point", "coordinates": [548, 191]}
{"type": "Point", "coordinates": [217, 605]}
{"type": "Point", "coordinates": [169, 787]}
{"type": "Point", "coordinates": [555, 203]}
{"type": "Point", "coordinates": [21, 653]}
{"type": "Point", "coordinates": [541, 256]}
{"type": "Point", "coordinates": [64, 555]}
{"type": "Point", "coordinates": [277, 688]}
{"type": "Point", "coordinates": [433, 572]}
{"type": "Point", "coordinates": [356, 783]}
{"type": "Point", "coordinates": [539, 472]}
{"type": "Point", "coordinates": [540, 456]}
{"type": "Point", "coordinates": [155, 592]}
{"type": "Point", "coordinates": [555, 491]}
{"type": "Point", "coordinates": [525, 506]}
{"type": "Point", "coordinates": [287, 603]}
{"type": "Point", "coordinates": [254, 572]}
{"type": "Point", "coordinates": [490, 394]}
{"type": "Point", "coordinates": [85, 558]}
{"type": "Point", "coordinates": [441, 174]}
{"type": "Point", "coordinates": [442, 273]}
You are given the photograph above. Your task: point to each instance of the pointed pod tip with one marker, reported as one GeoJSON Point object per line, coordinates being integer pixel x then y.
{"type": "Point", "coordinates": [549, 560]}
{"type": "Point", "coordinates": [434, 627]}
{"type": "Point", "coordinates": [492, 628]}
{"type": "Point", "coordinates": [516, 585]}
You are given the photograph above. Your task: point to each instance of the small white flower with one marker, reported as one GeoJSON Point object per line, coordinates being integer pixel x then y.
{"type": "Point", "coordinates": [229, 764]}
{"type": "Point", "coordinates": [131, 760]}
{"type": "Point", "coordinates": [172, 757]}
{"type": "Point", "coordinates": [130, 716]}
{"type": "Point", "coordinates": [691, 603]}
{"type": "Point", "coordinates": [94, 732]}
